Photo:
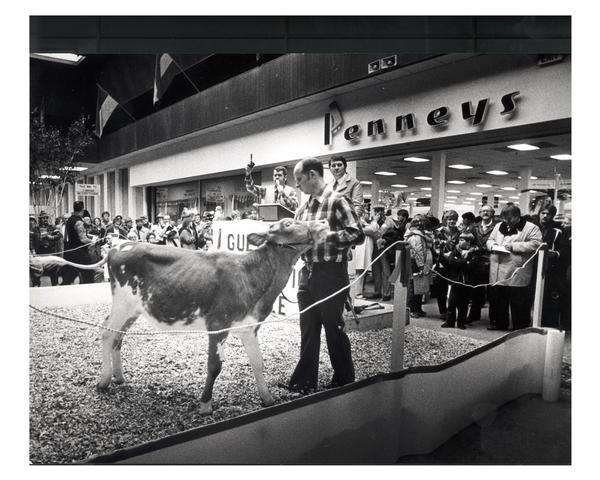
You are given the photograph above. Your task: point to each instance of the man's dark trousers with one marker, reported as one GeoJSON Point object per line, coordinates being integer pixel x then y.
{"type": "Point", "coordinates": [324, 279]}
{"type": "Point", "coordinates": [517, 299]}
{"type": "Point", "coordinates": [82, 257]}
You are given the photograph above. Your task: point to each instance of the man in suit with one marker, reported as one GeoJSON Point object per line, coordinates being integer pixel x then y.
{"type": "Point", "coordinates": [345, 184]}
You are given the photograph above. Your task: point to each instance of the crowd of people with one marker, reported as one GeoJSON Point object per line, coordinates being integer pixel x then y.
{"type": "Point", "coordinates": [483, 258]}
{"type": "Point", "coordinates": [192, 230]}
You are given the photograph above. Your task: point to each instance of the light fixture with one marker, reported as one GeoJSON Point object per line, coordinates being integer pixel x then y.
{"type": "Point", "coordinates": [533, 178]}
{"type": "Point", "coordinates": [366, 182]}
{"type": "Point", "coordinates": [475, 193]}
{"type": "Point", "coordinates": [523, 147]}
{"type": "Point", "coordinates": [496, 172]}
{"type": "Point", "coordinates": [514, 197]}
{"type": "Point", "coordinates": [422, 178]}
{"type": "Point", "coordinates": [508, 189]}
{"type": "Point", "coordinates": [456, 182]}
{"type": "Point", "coordinates": [451, 197]}
{"type": "Point", "coordinates": [399, 185]}
{"type": "Point", "coordinates": [385, 174]}
{"type": "Point", "coordinates": [482, 185]}
{"type": "Point", "coordinates": [367, 195]}
{"type": "Point", "coordinates": [51, 177]}
{"type": "Point", "coordinates": [426, 188]}
{"type": "Point", "coordinates": [453, 191]}
{"type": "Point", "coordinates": [497, 195]}
{"type": "Point", "coordinates": [68, 58]}
{"type": "Point", "coordinates": [470, 199]}
{"type": "Point", "coordinates": [416, 159]}
{"type": "Point", "coordinates": [428, 194]}
{"type": "Point", "coordinates": [562, 156]}
{"type": "Point", "coordinates": [460, 166]}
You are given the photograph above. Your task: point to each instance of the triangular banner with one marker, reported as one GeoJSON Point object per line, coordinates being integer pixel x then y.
{"type": "Point", "coordinates": [105, 106]}
{"type": "Point", "coordinates": [165, 70]}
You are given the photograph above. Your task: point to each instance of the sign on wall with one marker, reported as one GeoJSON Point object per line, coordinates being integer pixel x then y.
{"type": "Point", "coordinates": [87, 189]}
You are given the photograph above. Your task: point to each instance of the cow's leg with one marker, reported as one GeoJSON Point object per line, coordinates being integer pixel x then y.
{"type": "Point", "coordinates": [123, 314]}
{"type": "Point", "coordinates": [117, 366]}
{"type": "Point", "coordinates": [250, 341]}
{"type": "Point", "coordinates": [215, 362]}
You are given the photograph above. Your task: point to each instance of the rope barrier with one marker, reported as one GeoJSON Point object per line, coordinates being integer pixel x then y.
{"type": "Point", "coordinates": [499, 282]}
{"type": "Point", "coordinates": [279, 320]}
{"type": "Point", "coordinates": [223, 330]}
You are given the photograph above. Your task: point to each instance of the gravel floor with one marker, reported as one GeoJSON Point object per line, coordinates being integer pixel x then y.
{"type": "Point", "coordinates": [70, 422]}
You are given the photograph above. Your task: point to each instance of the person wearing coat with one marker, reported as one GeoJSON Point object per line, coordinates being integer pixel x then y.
{"type": "Point", "coordinates": [344, 184]}
{"type": "Point", "coordinates": [420, 244]}
{"type": "Point", "coordinates": [512, 243]}
{"type": "Point", "coordinates": [187, 237]}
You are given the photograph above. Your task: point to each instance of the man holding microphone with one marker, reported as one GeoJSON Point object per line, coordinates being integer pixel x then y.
{"type": "Point", "coordinates": [279, 193]}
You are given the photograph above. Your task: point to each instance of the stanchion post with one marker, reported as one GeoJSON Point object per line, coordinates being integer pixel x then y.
{"type": "Point", "coordinates": [400, 278]}
{"type": "Point", "coordinates": [539, 287]}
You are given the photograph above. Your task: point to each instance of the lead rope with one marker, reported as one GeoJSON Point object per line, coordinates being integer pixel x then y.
{"type": "Point", "coordinates": [275, 320]}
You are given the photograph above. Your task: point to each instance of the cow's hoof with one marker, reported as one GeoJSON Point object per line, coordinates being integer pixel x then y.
{"type": "Point", "coordinates": [268, 403]}
{"type": "Point", "coordinates": [119, 381]}
{"type": "Point", "coordinates": [102, 387]}
{"type": "Point", "coordinates": [205, 408]}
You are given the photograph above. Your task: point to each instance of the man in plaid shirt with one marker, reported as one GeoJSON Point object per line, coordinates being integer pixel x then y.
{"type": "Point", "coordinates": [325, 272]}
{"type": "Point", "coordinates": [280, 193]}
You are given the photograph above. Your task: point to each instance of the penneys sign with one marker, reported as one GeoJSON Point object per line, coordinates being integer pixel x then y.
{"type": "Point", "coordinates": [436, 118]}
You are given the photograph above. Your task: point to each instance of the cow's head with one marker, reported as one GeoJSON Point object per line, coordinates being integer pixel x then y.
{"type": "Point", "coordinates": [296, 233]}
{"type": "Point", "coordinates": [36, 267]}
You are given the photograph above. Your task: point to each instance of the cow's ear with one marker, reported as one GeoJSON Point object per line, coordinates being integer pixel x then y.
{"type": "Point", "coordinates": [257, 239]}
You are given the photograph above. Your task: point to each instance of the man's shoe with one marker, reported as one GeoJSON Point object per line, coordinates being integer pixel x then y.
{"type": "Point", "coordinates": [296, 388]}
{"type": "Point", "coordinates": [447, 325]}
{"type": "Point", "coordinates": [492, 327]}
{"type": "Point", "coordinates": [385, 298]}
{"type": "Point", "coordinates": [373, 297]}
{"type": "Point", "coordinates": [443, 316]}
{"type": "Point", "coordinates": [461, 326]}
{"type": "Point", "coordinates": [332, 384]}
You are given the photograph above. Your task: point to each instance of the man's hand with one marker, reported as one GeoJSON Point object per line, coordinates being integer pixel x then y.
{"type": "Point", "coordinates": [509, 247]}
{"type": "Point", "coordinates": [249, 168]}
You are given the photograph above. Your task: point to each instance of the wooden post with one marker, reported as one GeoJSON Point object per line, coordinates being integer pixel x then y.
{"type": "Point", "coordinates": [400, 318]}
{"type": "Point", "coordinates": [539, 287]}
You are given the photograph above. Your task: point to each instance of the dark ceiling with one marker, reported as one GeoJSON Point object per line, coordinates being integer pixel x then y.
{"type": "Point", "coordinates": [67, 91]}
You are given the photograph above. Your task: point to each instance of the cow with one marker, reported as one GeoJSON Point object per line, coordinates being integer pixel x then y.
{"type": "Point", "coordinates": [182, 289]}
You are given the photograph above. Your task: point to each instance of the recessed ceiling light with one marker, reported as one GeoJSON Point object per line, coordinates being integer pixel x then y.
{"type": "Point", "coordinates": [460, 166]}
{"type": "Point", "coordinates": [51, 177]}
{"type": "Point", "coordinates": [496, 172]}
{"type": "Point", "coordinates": [502, 201]}
{"type": "Point", "coordinates": [426, 188]}
{"type": "Point", "coordinates": [470, 199]}
{"type": "Point", "coordinates": [482, 185]}
{"type": "Point", "coordinates": [367, 195]}
{"type": "Point", "coordinates": [562, 156]}
{"type": "Point", "coordinates": [533, 178]}
{"type": "Point", "coordinates": [514, 197]}
{"type": "Point", "coordinates": [508, 189]}
{"type": "Point", "coordinates": [416, 159]}
{"type": "Point", "coordinates": [422, 178]}
{"type": "Point", "coordinates": [450, 197]}
{"type": "Point", "coordinates": [385, 174]}
{"type": "Point", "coordinates": [497, 195]}
{"type": "Point", "coordinates": [366, 182]}
{"type": "Point", "coordinates": [475, 193]}
{"type": "Point", "coordinates": [428, 194]}
{"type": "Point", "coordinates": [453, 191]}
{"type": "Point", "coordinates": [399, 185]}
{"type": "Point", "coordinates": [456, 182]}
{"type": "Point", "coordinates": [523, 147]}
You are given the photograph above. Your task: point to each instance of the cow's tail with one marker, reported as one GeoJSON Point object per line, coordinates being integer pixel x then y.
{"type": "Point", "coordinates": [54, 261]}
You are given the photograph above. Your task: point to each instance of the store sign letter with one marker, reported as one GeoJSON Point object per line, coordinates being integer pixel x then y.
{"type": "Point", "coordinates": [352, 133]}
{"type": "Point", "coordinates": [480, 112]}
{"type": "Point", "coordinates": [375, 127]}
{"type": "Point", "coordinates": [438, 117]}
{"type": "Point", "coordinates": [508, 102]}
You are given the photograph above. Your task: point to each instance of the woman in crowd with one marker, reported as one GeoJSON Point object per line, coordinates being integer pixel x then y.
{"type": "Point", "coordinates": [363, 252]}
{"type": "Point", "coordinates": [186, 235]}
{"type": "Point", "coordinates": [446, 239]}
{"type": "Point", "coordinates": [420, 244]}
